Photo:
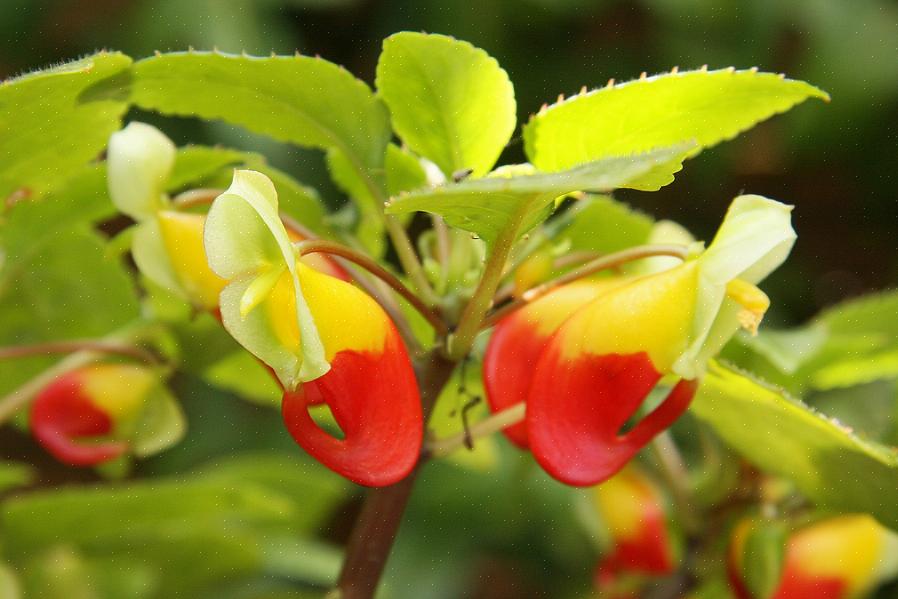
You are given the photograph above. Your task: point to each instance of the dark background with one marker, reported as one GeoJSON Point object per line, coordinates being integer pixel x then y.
{"type": "Point", "coordinates": [836, 163]}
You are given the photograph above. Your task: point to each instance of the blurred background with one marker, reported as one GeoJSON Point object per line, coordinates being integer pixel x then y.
{"type": "Point", "coordinates": [507, 531]}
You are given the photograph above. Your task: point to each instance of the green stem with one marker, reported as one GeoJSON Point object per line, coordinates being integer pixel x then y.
{"type": "Point", "coordinates": [409, 259]}
{"type": "Point", "coordinates": [462, 339]}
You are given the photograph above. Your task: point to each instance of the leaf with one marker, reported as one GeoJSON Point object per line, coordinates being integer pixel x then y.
{"type": "Point", "coordinates": [705, 106]}
{"type": "Point", "coordinates": [64, 287]}
{"type": "Point", "coordinates": [83, 199]}
{"type": "Point", "coordinates": [298, 99]}
{"type": "Point", "coordinates": [195, 164]}
{"type": "Point", "coordinates": [268, 494]}
{"type": "Point", "coordinates": [487, 206]}
{"type": "Point", "coordinates": [449, 101]}
{"type": "Point", "coordinates": [244, 375]}
{"type": "Point", "coordinates": [857, 371]}
{"type": "Point", "coordinates": [783, 436]}
{"type": "Point", "coordinates": [52, 122]}
{"type": "Point", "coordinates": [873, 313]}
{"type": "Point", "coordinates": [604, 225]}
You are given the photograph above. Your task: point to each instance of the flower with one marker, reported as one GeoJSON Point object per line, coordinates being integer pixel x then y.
{"type": "Point", "coordinates": [835, 558]}
{"type": "Point", "coordinates": [634, 512]}
{"type": "Point", "coordinates": [326, 340]}
{"type": "Point", "coordinates": [586, 356]}
{"type": "Point", "coordinates": [168, 243]}
{"type": "Point", "coordinates": [97, 413]}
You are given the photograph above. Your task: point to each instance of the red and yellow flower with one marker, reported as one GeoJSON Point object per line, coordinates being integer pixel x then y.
{"type": "Point", "coordinates": [327, 341]}
{"type": "Point", "coordinates": [837, 558]}
{"type": "Point", "coordinates": [100, 412]}
{"type": "Point", "coordinates": [635, 516]}
{"type": "Point", "coordinates": [586, 357]}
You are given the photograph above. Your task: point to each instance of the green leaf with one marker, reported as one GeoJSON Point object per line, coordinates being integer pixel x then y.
{"type": "Point", "coordinates": [783, 436]}
{"type": "Point", "coordinates": [705, 106]}
{"type": "Point", "coordinates": [244, 375]}
{"type": "Point", "coordinates": [857, 371]}
{"type": "Point", "coordinates": [63, 287]}
{"type": "Point", "coordinates": [83, 199]}
{"type": "Point", "coordinates": [194, 165]}
{"type": "Point", "coordinates": [604, 225]}
{"type": "Point", "coordinates": [298, 99]}
{"type": "Point", "coordinates": [261, 494]}
{"type": "Point", "coordinates": [52, 122]}
{"type": "Point", "coordinates": [449, 101]}
{"type": "Point", "coordinates": [487, 206]}
{"type": "Point", "coordinates": [874, 313]}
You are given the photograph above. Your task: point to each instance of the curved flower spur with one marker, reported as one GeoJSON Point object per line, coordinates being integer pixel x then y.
{"type": "Point", "coordinates": [597, 349]}
{"type": "Point", "coordinates": [326, 340]}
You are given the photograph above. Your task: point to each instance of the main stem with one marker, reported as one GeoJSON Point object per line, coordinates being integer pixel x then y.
{"type": "Point", "coordinates": [375, 529]}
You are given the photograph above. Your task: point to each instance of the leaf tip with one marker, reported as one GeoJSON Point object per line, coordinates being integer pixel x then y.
{"type": "Point", "coordinates": [610, 83]}
{"type": "Point", "coordinates": [643, 76]}
{"type": "Point", "coordinates": [704, 68]}
{"type": "Point", "coordinates": [675, 70]}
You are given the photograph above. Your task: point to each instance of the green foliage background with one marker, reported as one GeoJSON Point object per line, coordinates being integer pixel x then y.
{"type": "Point", "coordinates": [229, 503]}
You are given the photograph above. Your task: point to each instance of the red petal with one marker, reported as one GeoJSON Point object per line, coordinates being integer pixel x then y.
{"type": "Point", "coordinates": [61, 414]}
{"type": "Point", "coordinates": [375, 400]}
{"type": "Point", "coordinates": [796, 585]}
{"type": "Point", "coordinates": [508, 364]}
{"type": "Point", "coordinates": [576, 409]}
{"type": "Point", "coordinates": [518, 341]}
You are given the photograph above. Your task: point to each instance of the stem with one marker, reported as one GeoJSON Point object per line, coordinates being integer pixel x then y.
{"type": "Point", "coordinates": [674, 471]}
{"type": "Point", "coordinates": [493, 424]}
{"type": "Point", "coordinates": [375, 529]}
{"type": "Point", "coordinates": [74, 345]}
{"type": "Point", "coordinates": [469, 325]}
{"type": "Point", "coordinates": [409, 259]}
{"type": "Point", "coordinates": [324, 246]}
{"type": "Point", "coordinates": [590, 268]}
